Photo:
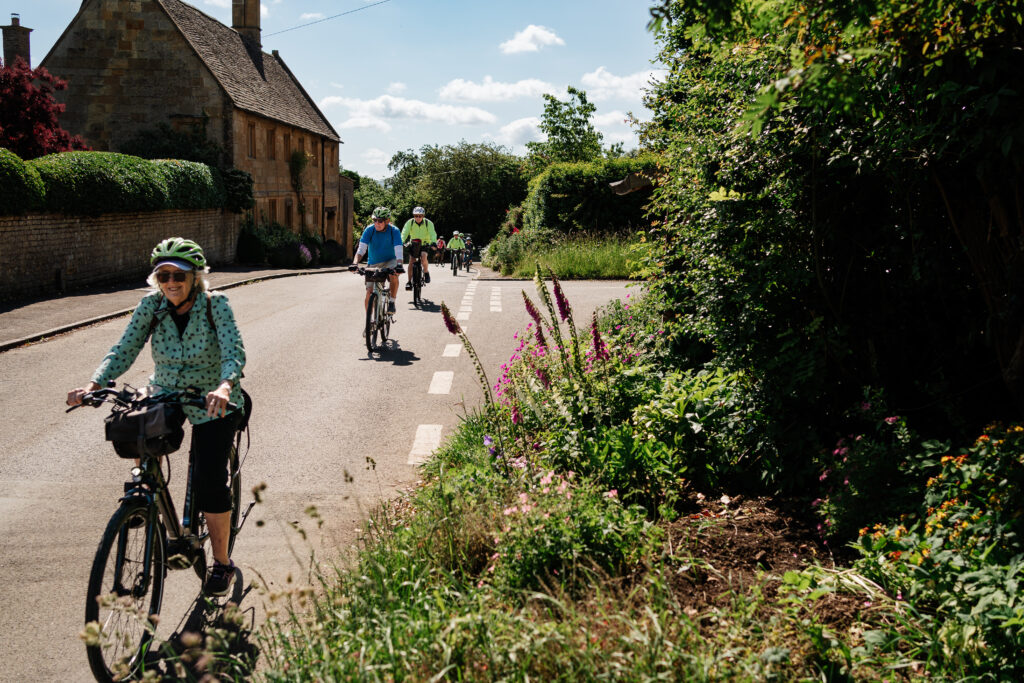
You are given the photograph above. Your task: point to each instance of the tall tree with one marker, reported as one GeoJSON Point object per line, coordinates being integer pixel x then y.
{"type": "Point", "coordinates": [571, 135]}
{"type": "Point", "coordinates": [28, 112]}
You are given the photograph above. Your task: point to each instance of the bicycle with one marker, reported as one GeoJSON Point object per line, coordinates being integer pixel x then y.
{"type": "Point", "coordinates": [415, 246]}
{"type": "Point", "coordinates": [468, 258]}
{"type": "Point", "coordinates": [143, 539]}
{"type": "Point", "coordinates": [456, 261]}
{"type": "Point", "coordinates": [378, 318]}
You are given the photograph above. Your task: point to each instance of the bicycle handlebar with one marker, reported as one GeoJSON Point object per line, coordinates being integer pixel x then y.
{"type": "Point", "coordinates": [371, 271]}
{"type": "Point", "coordinates": [127, 398]}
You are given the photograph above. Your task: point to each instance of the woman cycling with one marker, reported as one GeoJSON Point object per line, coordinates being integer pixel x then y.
{"type": "Point", "coordinates": [195, 344]}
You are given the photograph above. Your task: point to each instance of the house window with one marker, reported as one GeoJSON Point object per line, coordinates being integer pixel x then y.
{"type": "Point", "coordinates": [272, 210]}
{"type": "Point", "coordinates": [287, 146]}
{"type": "Point", "coordinates": [271, 143]}
{"type": "Point", "coordinates": [252, 140]}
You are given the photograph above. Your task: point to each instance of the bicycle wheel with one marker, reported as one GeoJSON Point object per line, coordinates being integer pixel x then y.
{"type": "Point", "coordinates": [417, 284]}
{"type": "Point", "coordinates": [126, 587]}
{"type": "Point", "coordinates": [455, 264]}
{"type": "Point", "coordinates": [371, 323]}
{"type": "Point", "coordinates": [236, 495]}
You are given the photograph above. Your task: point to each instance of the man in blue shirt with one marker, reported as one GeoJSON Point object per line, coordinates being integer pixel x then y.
{"type": "Point", "coordinates": [383, 242]}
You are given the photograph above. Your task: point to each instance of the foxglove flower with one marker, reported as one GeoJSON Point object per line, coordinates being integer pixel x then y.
{"type": "Point", "coordinates": [449, 321]}
{"type": "Point", "coordinates": [600, 349]}
{"type": "Point", "coordinates": [531, 309]}
{"type": "Point", "coordinates": [564, 311]}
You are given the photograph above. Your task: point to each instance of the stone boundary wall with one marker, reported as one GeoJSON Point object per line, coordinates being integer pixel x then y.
{"type": "Point", "coordinates": [47, 254]}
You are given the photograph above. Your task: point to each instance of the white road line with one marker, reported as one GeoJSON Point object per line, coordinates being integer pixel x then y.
{"type": "Point", "coordinates": [463, 315]}
{"type": "Point", "coordinates": [441, 383]}
{"type": "Point", "coordinates": [428, 438]}
{"type": "Point", "coordinates": [452, 350]}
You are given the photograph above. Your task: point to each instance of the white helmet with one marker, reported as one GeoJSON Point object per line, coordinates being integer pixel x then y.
{"type": "Point", "coordinates": [455, 233]}
{"type": "Point", "coordinates": [418, 211]}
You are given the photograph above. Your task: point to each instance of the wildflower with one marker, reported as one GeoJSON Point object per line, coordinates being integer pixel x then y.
{"type": "Point", "coordinates": [531, 309]}
{"type": "Point", "coordinates": [564, 311]}
{"type": "Point", "coordinates": [614, 493]}
{"type": "Point", "coordinates": [516, 416]}
{"type": "Point", "coordinates": [892, 420]}
{"type": "Point", "coordinates": [488, 441]}
{"type": "Point", "coordinates": [449, 321]}
{"type": "Point", "coordinates": [865, 406]}
{"type": "Point", "coordinates": [540, 337]}
{"type": "Point", "coordinates": [543, 377]}
{"type": "Point", "coordinates": [600, 350]}
{"type": "Point", "coordinates": [546, 479]}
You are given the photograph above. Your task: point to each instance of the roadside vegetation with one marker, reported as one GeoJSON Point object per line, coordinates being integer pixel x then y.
{"type": "Point", "coordinates": [795, 452]}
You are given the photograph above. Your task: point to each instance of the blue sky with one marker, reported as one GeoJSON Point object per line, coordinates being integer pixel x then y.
{"type": "Point", "coordinates": [392, 75]}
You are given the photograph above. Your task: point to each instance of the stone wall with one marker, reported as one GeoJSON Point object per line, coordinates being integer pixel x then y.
{"type": "Point", "coordinates": [51, 253]}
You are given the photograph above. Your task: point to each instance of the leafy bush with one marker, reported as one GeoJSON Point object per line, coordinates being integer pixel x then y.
{"type": "Point", "coordinates": [190, 185]}
{"type": "Point", "coordinates": [272, 243]}
{"type": "Point", "coordinates": [961, 556]}
{"type": "Point", "coordinates": [332, 253]}
{"type": "Point", "coordinates": [23, 189]}
{"type": "Point", "coordinates": [93, 183]}
{"type": "Point", "coordinates": [238, 190]}
{"type": "Point", "coordinates": [570, 197]}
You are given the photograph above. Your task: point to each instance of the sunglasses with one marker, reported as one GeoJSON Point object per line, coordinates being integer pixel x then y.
{"type": "Point", "coordinates": [380, 220]}
{"type": "Point", "coordinates": [165, 276]}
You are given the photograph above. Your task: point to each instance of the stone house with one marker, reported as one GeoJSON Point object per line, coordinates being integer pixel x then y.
{"type": "Point", "coordinates": [134, 64]}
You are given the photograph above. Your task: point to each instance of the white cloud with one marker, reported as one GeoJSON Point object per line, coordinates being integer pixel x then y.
{"type": "Point", "coordinates": [339, 86]}
{"type": "Point", "coordinates": [366, 122]}
{"type": "Point", "coordinates": [391, 107]}
{"type": "Point", "coordinates": [312, 15]}
{"type": "Point", "coordinates": [519, 132]}
{"type": "Point", "coordinates": [531, 39]}
{"type": "Point", "coordinates": [493, 91]}
{"type": "Point", "coordinates": [602, 84]}
{"type": "Point", "coordinates": [612, 118]}
{"type": "Point", "coordinates": [397, 87]}
{"type": "Point", "coordinates": [375, 156]}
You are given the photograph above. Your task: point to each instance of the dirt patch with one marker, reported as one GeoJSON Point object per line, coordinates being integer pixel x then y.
{"type": "Point", "coordinates": [733, 543]}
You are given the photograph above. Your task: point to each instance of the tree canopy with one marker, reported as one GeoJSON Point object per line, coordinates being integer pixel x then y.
{"type": "Point", "coordinates": [29, 113]}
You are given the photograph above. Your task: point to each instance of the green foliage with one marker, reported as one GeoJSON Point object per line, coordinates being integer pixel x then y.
{"type": "Point", "coordinates": [578, 257]}
{"type": "Point", "coordinates": [569, 197]}
{"type": "Point", "coordinates": [190, 185]}
{"type": "Point", "coordinates": [272, 243]}
{"type": "Point", "coordinates": [93, 183]}
{"type": "Point", "coordinates": [961, 557]}
{"type": "Point", "coordinates": [571, 135]}
{"type": "Point", "coordinates": [468, 187]}
{"type": "Point", "coordinates": [829, 181]}
{"type": "Point", "coordinates": [331, 253]}
{"type": "Point", "coordinates": [23, 188]}
{"type": "Point", "coordinates": [238, 190]}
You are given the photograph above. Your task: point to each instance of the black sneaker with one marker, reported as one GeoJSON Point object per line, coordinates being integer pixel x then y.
{"type": "Point", "coordinates": [218, 582]}
{"type": "Point", "coordinates": [391, 307]}
{"type": "Point", "coordinates": [408, 286]}
{"type": "Point", "coordinates": [426, 278]}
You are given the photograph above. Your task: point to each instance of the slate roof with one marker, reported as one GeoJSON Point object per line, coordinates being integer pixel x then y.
{"type": "Point", "coordinates": [255, 81]}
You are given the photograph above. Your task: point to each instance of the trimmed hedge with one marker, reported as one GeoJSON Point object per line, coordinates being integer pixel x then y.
{"type": "Point", "coordinates": [570, 197]}
{"type": "Point", "coordinates": [94, 183]}
{"type": "Point", "coordinates": [23, 189]}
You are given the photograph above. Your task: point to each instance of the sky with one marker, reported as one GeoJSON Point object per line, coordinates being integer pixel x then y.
{"type": "Point", "coordinates": [396, 75]}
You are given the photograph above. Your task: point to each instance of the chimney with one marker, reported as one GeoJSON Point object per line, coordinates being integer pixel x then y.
{"type": "Point", "coordinates": [16, 41]}
{"type": "Point", "coordinates": [245, 18]}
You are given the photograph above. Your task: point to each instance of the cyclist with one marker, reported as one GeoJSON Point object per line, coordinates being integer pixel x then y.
{"type": "Point", "coordinates": [419, 228]}
{"type": "Point", "coordinates": [456, 243]}
{"type": "Point", "coordinates": [469, 248]}
{"type": "Point", "coordinates": [440, 250]}
{"type": "Point", "coordinates": [382, 242]}
{"type": "Point", "coordinates": [195, 343]}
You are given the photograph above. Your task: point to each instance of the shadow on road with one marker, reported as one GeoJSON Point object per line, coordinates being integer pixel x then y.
{"type": "Point", "coordinates": [393, 353]}
{"type": "Point", "coordinates": [427, 306]}
{"type": "Point", "coordinates": [214, 639]}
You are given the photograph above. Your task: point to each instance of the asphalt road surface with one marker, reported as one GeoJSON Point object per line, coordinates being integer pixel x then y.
{"type": "Point", "coordinates": [324, 409]}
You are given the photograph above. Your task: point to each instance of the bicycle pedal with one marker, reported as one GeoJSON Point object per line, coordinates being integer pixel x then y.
{"type": "Point", "coordinates": [179, 561]}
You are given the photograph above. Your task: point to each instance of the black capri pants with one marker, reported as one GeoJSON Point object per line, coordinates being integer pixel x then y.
{"type": "Point", "coordinates": [211, 444]}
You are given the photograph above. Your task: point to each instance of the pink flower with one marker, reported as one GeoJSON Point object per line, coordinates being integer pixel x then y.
{"type": "Point", "coordinates": [611, 494]}
{"type": "Point", "coordinates": [892, 420]}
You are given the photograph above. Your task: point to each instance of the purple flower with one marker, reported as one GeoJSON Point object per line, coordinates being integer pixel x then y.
{"type": "Point", "coordinates": [488, 441]}
{"type": "Point", "coordinates": [600, 350]}
{"type": "Point", "coordinates": [531, 309]}
{"type": "Point", "coordinates": [516, 416]}
{"type": "Point", "coordinates": [563, 304]}
{"type": "Point", "coordinates": [540, 337]}
{"type": "Point", "coordinates": [543, 377]}
{"type": "Point", "coordinates": [449, 321]}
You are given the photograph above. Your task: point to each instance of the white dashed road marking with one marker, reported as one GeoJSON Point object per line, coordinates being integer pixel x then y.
{"type": "Point", "coordinates": [495, 300]}
{"type": "Point", "coordinates": [428, 438]}
{"type": "Point", "coordinates": [452, 350]}
{"type": "Point", "coordinates": [441, 382]}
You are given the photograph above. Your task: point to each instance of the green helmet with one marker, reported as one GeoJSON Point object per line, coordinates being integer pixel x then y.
{"type": "Point", "coordinates": [382, 212]}
{"type": "Point", "coordinates": [179, 249]}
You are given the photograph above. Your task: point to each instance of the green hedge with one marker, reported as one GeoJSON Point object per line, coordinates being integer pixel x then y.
{"type": "Point", "coordinates": [570, 197]}
{"type": "Point", "coordinates": [94, 183]}
{"type": "Point", "coordinates": [23, 189]}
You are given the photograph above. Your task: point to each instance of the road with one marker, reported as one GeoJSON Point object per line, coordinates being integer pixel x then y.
{"type": "Point", "coordinates": [323, 408]}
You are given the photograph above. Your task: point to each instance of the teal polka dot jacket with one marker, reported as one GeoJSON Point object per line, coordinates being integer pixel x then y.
{"type": "Point", "coordinates": [201, 357]}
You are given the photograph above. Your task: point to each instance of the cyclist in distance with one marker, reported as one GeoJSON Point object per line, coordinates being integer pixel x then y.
{"type": "Point", "coordinates": [419, 228]}
{"type": "Point", "coordinates": [382, 245]}
{"type": "Point", "coordinates": [456, 243]}
{"type": "Point", "coordinates": [195, 343]}
{"type": "Point", "coordinates": [440, 250]}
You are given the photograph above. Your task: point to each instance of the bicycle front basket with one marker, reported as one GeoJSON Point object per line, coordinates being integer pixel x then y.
{"type": "Point", "coordinates": [150, 428]}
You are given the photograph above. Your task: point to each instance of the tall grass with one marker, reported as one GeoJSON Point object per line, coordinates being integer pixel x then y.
{"type": "Point", "coordinates": [576, 257]}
